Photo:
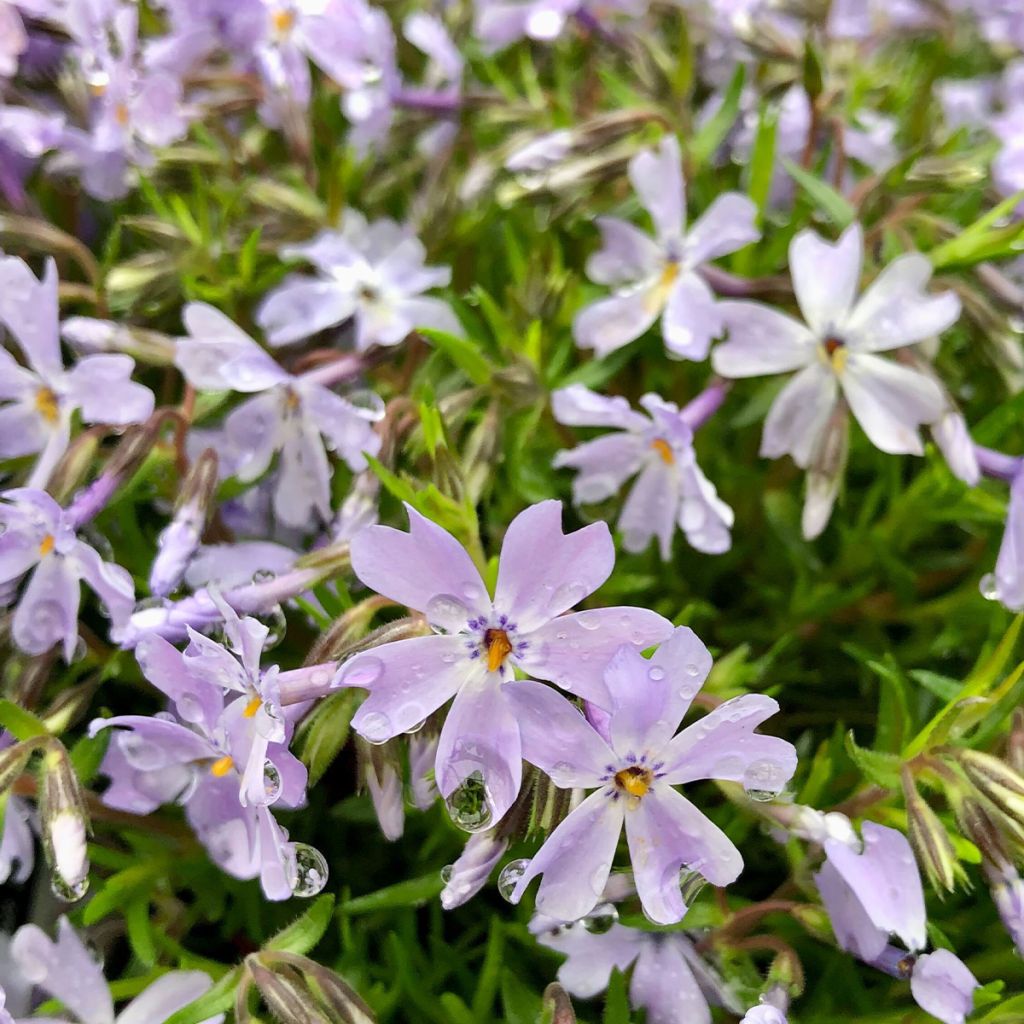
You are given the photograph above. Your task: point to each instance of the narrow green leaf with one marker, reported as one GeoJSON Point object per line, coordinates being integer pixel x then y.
{"type": "Point", "coordinates": [465, 354]}
{"type": "Point", "coordinates": [306, 931]}
{"type": "Point", "coordinates": [616, 1000]}
{"type": "Point", "coordinates": [21, 724]}
{"type": "Point", "coordinates": [325, 733]}
{"type": "Point", "coordinates": [880, 768]}
{"type": "Point", "coordinates": [712, 133]}
{"type": "Point", "coordinates": [413, 893]}
{"type": "Point", "coordinates": [836, 206]}
{"type": "Point", "coordinates": [216, 1001]}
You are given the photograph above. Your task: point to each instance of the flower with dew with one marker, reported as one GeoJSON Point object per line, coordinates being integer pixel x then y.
{"type": "Point", "coordinates": [469, 874]}
{"type": "Point", "coordinates": [374, 273]}
{"type": "Point", "coordinates": [38, 539]}
{"type": "Point", "coordinates": [40, 398]}
{"type": "Point", "coordinates": [13, 38]}
{"type": "Point", "coordinates": [658, 277]}
{"type": "Point", "coordinates": [875, 892]}
{"type": "Point", "coordinates": [297, 417]}
{"type": "Point", "coordinates": [1006, 584]}
{"type": "Point", "coordinates": [17, 843]}
{"type": "Point", "coordinates": [671, 983]}
{"type": "Point", "coordinates": [483, 640]}
{"type": "Point", "coordinates": [670, 489]}
{"type": "Point", "coordinates": [835, 354]}
{"type": "Point", "coordinates": [66, 970]}
{"type": "Point", "coordinates": [633, 763]}
{"type": "Point", "coordinates": [499, 23]}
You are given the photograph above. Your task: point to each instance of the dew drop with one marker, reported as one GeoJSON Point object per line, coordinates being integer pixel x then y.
{"type": "Point", "coordinates": [310, 871]}
{"type": "Point", "coordinates": [276, 625]}
{"type": "Point", "coordinates": [67, 892]}
{"type": "Point", "coordinates": [375, 727]}
{"type": "Point", "coordinates": [989, 587]}
{"type": "Point", "coordinates": [446, 614]}
{"type": "Point", "coordinates": [656, 673]}
{"type": "Point", "coordinates": [692, 669]}
{"type": "Point", "coordinates": [562, 774]}
{"type": "Point", "coordinates": [446, 873]}
{"type": "Point", "coordinates": [363, 670]}
{"type": "Point", "coordinates": [601, 919]}
{"type": "Point", "coordinates": [469, 804]}
{"type": "Point", "coordinates": [510, 875]}
{"type": "Point", "coordinates": [271, 781]}
{"type": "Point", "coordinates": [568, 595]}
{"type": "Point", "coordinates": [691, 883]}
{"type": "Point", "coordinates": [763, 780]}
{"type": "Point", "coordinates": [590, 620]}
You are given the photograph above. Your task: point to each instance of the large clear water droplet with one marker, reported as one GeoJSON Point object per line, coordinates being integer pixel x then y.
{"type": "Point", "coordinates": [310, 871]}
{"type": "Point", "coordinates": [989, 587]}
{"type": "Point", "coordinates": [271, 781]}
{"type": "Point", "coordinates": [375, 728]}
{"type": "Point", "coordinates": [601, 919]}
{"type": "Point", "coordinates": [66, 891]}
{"type": "Point", "coordinates": [509, 877]}
{"type": "Point", "coordinates": [469, 805]}
{"type": "Point", "coordinates": [763, 780]}
{"type": "Point", "coordinates": [363, 670]}
{"type": "Point", "coordinates": [276, 625]}
{"type": "Point", "coordinates": [690, 885]}
{"type": "Point", "coordinates": [446, 614]}
{"type": "Point", "coordinates": [446, 873]}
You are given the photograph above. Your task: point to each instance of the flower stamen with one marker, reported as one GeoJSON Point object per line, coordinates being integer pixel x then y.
{"type": "Point", "coordinates": [634, 780]}
{"type": "Point", "coordinates": [221, 767]}
{"type": "Point", "coordinates": [836, 353]}
{"type": "Point", "coordinates": [664, 449]}
{"type": "Point", "coordinates": [252, 707]}
{"type": "Point", "coordinates": [498, 648]}
{"type": "Point", "coordinates": [46, 545]}
{"type": "Point", "coordinates": [46, 405]}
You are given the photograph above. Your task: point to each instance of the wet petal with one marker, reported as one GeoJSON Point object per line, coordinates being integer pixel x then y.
{"type": "Point", "coordinates": [603, 465]}
{"type": "Point", "coordinates": [703, 516]}
{"type": "Point", "coordinates": [168, 994]}
{"type": "Point", "coordinates": [195, 699]}
{"type": "Point", "coordinates": [943, 986]}
{"type": "Point", "coordinates": [591, 957]}
{"type": "Point", "coordinates": [651, 509]}
{"type": "Point", "coordinates": [48, 610]}
{"type": "Point", "coordinates": [799, 415]}
{"type": "Point", "coordinates": [303, 306]}
{"type": "Point", "coordinates": [728, 224]}
{"type": "Point", "coordinates": [761, 340]}
{"type": "Point", "coordinates": [825, 277]}
{"type": "Point", "coordinates": [111, 583]}
{"type": "Point", "coordinates": [663, 984]}
{"type": "Point", "coordinates": [692, 318]}
{"type": "Point", "coordinates": [578, 406]}
{"type": "Point", "coordinates": [608, 324]}
{"type": "Point", "coordinates": [626, 255]}
{"type": "Point", "coordinates": [29, 310]}
{"type": "Point", "coordinates": [101, 386]}
{"type": "Point", "coordinates": [854, 930]}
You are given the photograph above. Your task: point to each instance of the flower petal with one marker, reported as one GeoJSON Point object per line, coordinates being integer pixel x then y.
{"type": "Point", "coordinates": [691, 319]}
{"type": "Point", "coordinates": [29, 310]}
{"type": "Point", "coordinates": [591, 957]}
{"type": "Point", "coordinates": [651, 509]}
{"type": "Point", "coordinates": [195, 699]}
{"type": "Point", "coordinates": [799, 415]}
{"type": "Point", "coordinates": [943, 986]}
{"type": "Point", "coordinates": [303, 306]}
{"type": "Point", "coordinates": [578, 406]}
{"type": "Point", "coordinates": [348, 428]}
{"type": "Point", "coordinates": [23, 431]}
{"type": "Point", "coordinates": [603, 465]}
{"type": "Point", "coordinates": [1010, 561]}
{"type": "Point", "coordinates": [110, 582]}
{"type": "Point", "coordinates": [168, 994]}
{"type": "Point", "coordinates": [728, 224]}
{"type": "Point", "coordinates": [608, 324]}
{"type": "Point", "coordinates": [854, 930]}
{"type": "Point", "coordinates": [657, 178]}
{"type": "Point", "coordinates": [761, 340]}
{"type": "Point", "coordinates": [101, 386]}
{"type": "Point", "coordinates": [663, 985]}
{"type": "Point", "coordinates": [703, 516]}
{"type": "Point", "coordinates": [626, 255]}
{"type": "Point", "coordinates": [825, 277]}
{"type": "Point", "coordinates": [48, 610]}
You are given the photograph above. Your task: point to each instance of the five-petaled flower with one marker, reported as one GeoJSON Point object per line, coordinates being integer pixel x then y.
{"type": "Point", "coordinates": [634, 763]}
{"type": "Point", "coordinates": [542, 573]}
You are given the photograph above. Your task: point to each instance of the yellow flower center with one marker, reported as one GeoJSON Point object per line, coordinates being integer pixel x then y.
{"type": "Point", "coordinates": [121, 114]}
{"type": "Point", "coordinates": [221, 767]}
{"type": "Point", "coordinates": [835, 353]}
{"type": "Point", "coordinates": [635, 781]}
{"type": "Point", "coordinates": [498, 648]}
{"type": "Point", "coordinates": [47, 405]}
{"type": "Point", "coordinates": [46, 545]}
{"type": "Point", "coordinates": [252, 707]}
{"type": "Point", "coordinates": [664, 449]}
{"type": "Point", "coordinates": [658, 295]}
{"type": "Point", "coordinates": [283, 21]}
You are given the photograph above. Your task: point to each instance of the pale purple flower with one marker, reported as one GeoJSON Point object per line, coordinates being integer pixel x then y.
{"type": "Point", "coordinates": [234, 565]}
{"type": "Point", "coordinates": [657, 277]}
{"type": "Point", "coordinates": [374, 273]}
{"type": "Point", "coordinates": [634, 767]}
{"type": "Point", "coordinates": [295, 416]}
{"type": "Point", "coordinates": [13, 38]}
{"type": "Point", "coordinates": [943, 986]}
{"type": "Point", "coordinates": [499, 23]}
{"type": "Point", "coordinates": [469, 874]}
{"type": "Point", "coordinates": [764, 1013]}
{"type": "Point", "coordinates": [1006, 584]}
{"type": "Point", "coordinates": [17, 843]}
{"type": "Point", "coordinates": [422, 754]}
{"type": "Point", "coordinates": [38, 540]}
{"type": "Point", "coordinates": [542, 573]}
{"type": "Point", "coordinates": [1007, 889]}
{"type": "Point", "coordinates": [66, 970]}
{"type": "Point", "coordinates": [670, 982]}
{"type": "Point", "coordinates": [442, 79]}
{"type": "Point", "coordinates": [387, 794]}
{"type": "Point", "coordinates": [41, 398]}
{"type": "Point", "coordinates": [670, 489]}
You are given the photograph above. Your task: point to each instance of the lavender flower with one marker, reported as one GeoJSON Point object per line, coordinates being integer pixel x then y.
{"type": "Point", "coordinates": [13, 38]}
{"type": "Point", "coordinates": [1008, 895]}
{"type": "Point", "coordinates": [469, 874]}
{"type": "Point", "coordinates": [17, 844]}
{"type": "Point", "coordinates": [38, 537]}
{"type": "Point", "coordinates": [658, 277]}
{"type": "Point", "coordinates": [42, 396]}
{"type": "Point", "coordinates": [67, 971]}
{"type": "Point", "coordinates": [670, 489]}
{"type": "Point", "coordinates": [499, 23]}
{"type": "Point", "coordinates": [633, 766]}
{"type": "Point", "coordinates": [1006, 584]}
{"type": "Point", "coordinates": [542, 574]}
{"type": "Point", "coordinates": [942, 985]}
{"type": "Point", "coordinates": [372, 272]}
{"type": "Point", "coordinates": [295, 416]}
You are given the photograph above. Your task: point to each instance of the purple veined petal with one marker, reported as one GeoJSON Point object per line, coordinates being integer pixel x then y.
{"type": "Point", "coordinates": [626, 255]}
{"type": "Point", "coordinates": [157, 742]}
{"type": "Point", "coordinates": [651, 508]}
{"type": "Point", "coordinates": [136, 790]}
{"type": "Point", "coordinates": [23, 430]}
{"type": "Point", "coordinates": [101, 386]}
{"type": "Point", "coordinates": [657, 178]}
{"type": "Point", "coordinates": [608, 324]}
{"type": "Point", "coordinates": [111, 583]}
{"type": "Point", "coordinates": [58, 436]}
{"type": "Point", "coordinates": [703, 516]}
{"type": "Point", "coordinates": [302, 492]}
{"type": "Point", "coordinates": [480, 742]}
{"type": "Point", "coordinates": [591, 958]}
{"type": "Point", "coordinates": [854, 930]}
{"type": "Point", "coordinates": [47, 613]}
{"type": "Point", "coordinates": [347, 428]}
{"type": "Point", "coordinates": [255, 431]}
{"type": "Point", "coordinates": [408, 680]}
{"type": "Point", "coordinates": [572, 651]}
{"type": "Point", "coordinates": [896, 310]}
{"type": "Point", "coordinates": [890, 402]}
{"type": "Point", "coordinates": [578, 406]}
{"type": "Point", "coordinates": [885, 879]}
{"type": "Point", "coordinates": [156, 111]}
{"type": "Point", "coordinates": [799, 415]}
{"type": "Point", "coordinates": [303, 306]}
{"type": "Point", "coordinates": [666, 833]}
{"type": "Point", "coordinates": [825, 277]}
{"type": "Point", "coordinates": [1009, 572]}
{"type": "Point", "coordinates": [543, 572]}
{"type": "Point", "coordinates": [168, 994]}
{"type": "Point", "coordinates": [943, 986]}
{"type": "Point", "coordinates": [728, 224]}
{"type": "Point", "coordinates": [953, 438]}
{"type": "Point", "coordinates": [664, 986]}
{"type": "Point", "coordinates": [602, 465]}
{"type": "Point", "coordinates": [724, 746]}
{"type": "Point", "coordinates": [557, 738]}
{"type": "Point", "coordinates": [638, 702]}
{"type": "Point", "coordinates": [576, 859]}
{"type": "Point", "coordinates": [219, 356]}
{"type": "Point", "coordinates": [414, 568]}
{"type": "Point", "coordinates": [29, 310]}
{"type": "Point", "coordinates": [196, 700]}
{"type": "Point", "coordinates": [64, 970]}
{"type": "Point", "coordinates": [213, 664]}
{"type": "Point", "coordinates": [691, 319]}
{"type": "Point", "coordinates": [424, 311]}
{"type": "Point", "coordinates": [761, 340]}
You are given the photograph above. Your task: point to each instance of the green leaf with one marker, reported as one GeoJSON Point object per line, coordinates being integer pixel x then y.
{"type": "Point", "coordinates": [217, 1000]}
{"type": "Point", "coordinates": [519, 1003]}
{"type": "Point", "coordinates": [393, 484]}
{"type": "Point", "coordinates": [616, 1000]}
{"type": "Point", "coordinates": [465, 354]}
{"type": "Point", "coordinates": [305, 932]}
{"type": "Point", "coordinates": [985, 239]}
{"type": "Point", "coordinates": [412, 893]}
{"type": "Point", "coordinates": [21, 724]}
{"type": "Point", "coordinates": [880, 768]}
{"type": "Point", "coordinates": [87, 755]}
{"type": "Point", "coordinates": [325, 732]}
{"type": "Point", "coordinates": [140, 931]}
{"type": "Point", "coordinates": [712, 133]}
{"type": "Point", "coordinates": [836, 206]}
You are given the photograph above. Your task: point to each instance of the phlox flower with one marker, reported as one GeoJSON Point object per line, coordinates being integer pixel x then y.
{"type": "Point", "coordinates": [542, 573]}
{"type": "Point", "coordinates": [657, 277]}
{"type": "Point", "coordinates": [17, 843]}
{"type": "Point", "coordinates": [41, 397]}
{"type": "Point", "coordinates": [373, 272]}
{"type": "Point", "coordinates": [39, 540]}
{"type": "Point", "coordinates": [835, 354]}
{"type": "Point", "coordinates": [1006, 584]}
{"type": "Point", "coordinates": [874, 893]}
{"type": "Point", "coordinates": [66, 970]}
{"type": "Point", "coordinates": [13, 38]}
{"type": "Point", "coordinates": [499, 23]}
{"type": "Point", "coordinates": [670, 488]}
{"type": "Point", "coordinates": [294, 416]}
{"type": "Point", "coordinates": [633, 765]}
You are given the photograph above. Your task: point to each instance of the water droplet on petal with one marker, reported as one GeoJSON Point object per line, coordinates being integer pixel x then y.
{"type": "Point", "coordinates": [601, 919]}
{"type": "Point", "coordinates": [271, 781]}
{"type": "Point", "coordinates": [568, 595]}
{"type": "Point", "coordinates": [469, 805]}
{"type": "Point", "coordinates": [446, 873]}
{"type": "Point", "coordinates": [562, 774]}
{"type": "Point", "coordinates": [375, 727]}
{"type": "Point", "coordinates": [989, 587]}
{"type": "Point", "coordinates": [67, 892]}
{"type": "Point", "coordinates": [692, 669]}
{"type": "Point", "coordinates": [263, 575]}
{"type": "Point", "coordinates": [310, 871]}
{"type": "Point", "coordinates": [446, 614]}
{"type": "Point", "coordinates": [763, 780]}
{"type": "Point", "coordinates": [276, 625]}
{"type": "Point", "coordinates": [590, 620]}
{"type": "Point", "coordinates": [690, 885]}
{"type": "Point", "coordinates": [363, 670]}
{"type": "Point", "coordinates": [656, 673]}
{"type": "Point", "coordinates": [509, 877]}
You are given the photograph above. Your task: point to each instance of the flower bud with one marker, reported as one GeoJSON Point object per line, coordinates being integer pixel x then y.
{"type": "Point", "coordinates": [825, 474]}
{"type": "Point", "coordinates": [996, 781]}
{"type": "Point", "coordinates": [929, 838]}
{"type": "Point", "coordinates": [337, 995]}
{"type": "Point", "coordinates": [298, 990]}
{"type": "Point", "coordinates": [469, 874]}
{"type": "Point", "coordinates": [380, 773]}
{"type": "Point", "coordinates": [75, 463]}
{"type": "Point", "coordinates": [64, 823]}
{"type": "Point", "coordinates": [983, 827]}
{"type": "Point", "coordinates": [422, 754]}
{"type": "Point", "coordinates": [1015, 743]}
{"type": "Point", "coordinates": [1008, 895]}
{"type": "Point", "coordinates": [556, 1007]}
{"type": "Point", "coordinates": [285, 993]}
{"type": "Point", "coordinates": [336, 644]}
{"type": "Point", "coordinates": [13, 761]}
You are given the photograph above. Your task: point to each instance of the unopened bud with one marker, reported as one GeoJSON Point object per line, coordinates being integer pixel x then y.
{"type": "Point", "coordinates": [13, 762]}
{"type": "Point", "coordinates": [300, 991]}
{"type": "Point", "coordinates": [400, 629]}
{"type": "Point", "coordinates": [1008, 895]}
{"type": "Point", "coordinates": [422, 754]}
{"type": "Point", "coordinates": [469, 874]}
{"type": "Point", "coordinates": [328, 560]}
{"type": "Point", "coordinates": [786, 977]}
{"type": "Point", "coordinates": [983, 828]}
{"type": "Point", "coordinates": [64, 824]}
{"type": "Point", "coordinates": [996, 781]}
{"type": "Point", "coordinates": [75, 464]}
{"type": "Point", "coordinates": [285, 993]}
{"type": "Point", "coordinates": [88, 336]}
{"type": "Point", "coordinates": [379, 771]}
{"type": "Point", "coordinates": [1015, 744]}
{"type": "Point", "coordinates": [337, 995]}
{"type": "Point", "coordinates": [556, 1007]}
{"type": "Point", "coordinates": [929, 838]}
